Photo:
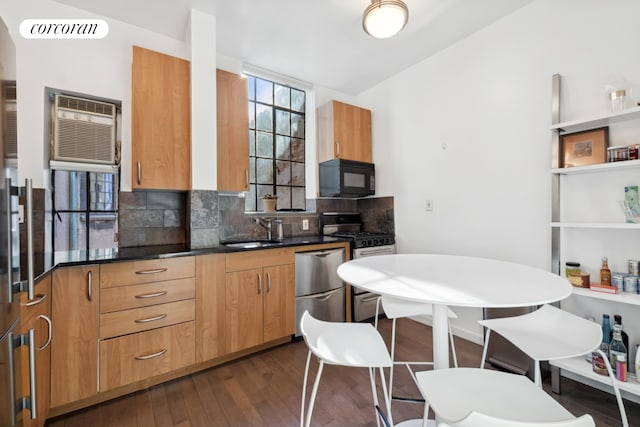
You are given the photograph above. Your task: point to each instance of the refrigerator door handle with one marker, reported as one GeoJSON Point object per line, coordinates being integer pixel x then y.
{"type": "Point", "coordinates": [26, 402]}
{"type": "Point", "coordinates": [14, 406]}
{"type": "Point", "coordinates": [29, 220]}
{"type": "Point", "coordinates": [7, 201]}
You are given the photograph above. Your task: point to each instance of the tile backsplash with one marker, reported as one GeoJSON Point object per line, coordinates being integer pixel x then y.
{"type": "Point", "coordinates": [202, 219]}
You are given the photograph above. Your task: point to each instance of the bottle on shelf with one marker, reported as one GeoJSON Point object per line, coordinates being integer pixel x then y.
{"type": "Point", "coordinates": [605, 273]}
{"type": "Point", "coordinates": [617, 320]}
{"type": "Point", "coordinates": [617, 348]}
{"type": "Point", "coordinates": [597, 362]}
{"type": "Point", "coordinates": [621, 367]}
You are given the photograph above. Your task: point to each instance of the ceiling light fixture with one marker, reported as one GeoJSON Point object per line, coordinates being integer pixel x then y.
{"type": "Point", "coordinates": [385, 18]}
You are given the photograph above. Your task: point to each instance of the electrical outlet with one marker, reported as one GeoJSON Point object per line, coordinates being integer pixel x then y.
{"type": "Point", "coordinates": [21, 214]}
{"type": "Point", "coordinates": [305, 224]}
{"type": "Point", "coordinates": [428, 205]}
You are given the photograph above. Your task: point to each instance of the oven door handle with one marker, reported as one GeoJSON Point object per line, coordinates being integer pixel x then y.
{"type": "Point", "coordinates": [370, 252]}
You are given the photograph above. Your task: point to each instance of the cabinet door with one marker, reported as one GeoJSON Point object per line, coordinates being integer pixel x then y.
{"type": "Point", "coordinates": [244, 311]}
{"type": "Point", "coordinates": [352, 132]}
{"type": "Point", "coordinates": [279, 302]}
{"type": "Point", "coordinates": [161, 121]}
{"type": "Point", "coordinates": [344, 132]}
{"type": "Point", "coordinates": [210, 307]}
{"type": "Point", "coordinates": [74, 348]}
{"type": "Point", "coordinates": [36, 314]}
{"type": "Point", "coordinates": [233, 131]}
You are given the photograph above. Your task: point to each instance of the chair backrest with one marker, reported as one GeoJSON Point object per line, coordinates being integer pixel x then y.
{"type": "Point", "coordinates": [476, 419]}
{"type": "Point", "coordinates": [548, 333]}
{"type": "Point", "coordinates": [395, 308]}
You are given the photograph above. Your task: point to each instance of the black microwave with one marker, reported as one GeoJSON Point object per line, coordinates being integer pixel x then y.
{"type": "Point", "coordinates": [347, 178]}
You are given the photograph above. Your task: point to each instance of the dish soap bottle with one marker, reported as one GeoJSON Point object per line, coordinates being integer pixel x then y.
{"type": "Point", "coordinates": [617, 348]}
{"type": "Point", "coordinates": [605, 273]}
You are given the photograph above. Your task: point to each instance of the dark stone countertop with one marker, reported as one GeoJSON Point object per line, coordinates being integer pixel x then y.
{"type": "Point", "coordinates": [45, 262]}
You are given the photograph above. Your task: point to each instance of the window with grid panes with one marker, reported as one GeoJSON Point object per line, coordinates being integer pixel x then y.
{"type": "Point", "coordinates": [276, 144]}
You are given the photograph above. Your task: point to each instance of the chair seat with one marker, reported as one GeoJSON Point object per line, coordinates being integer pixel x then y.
{"type": "Point", "coordinates": [548, 333]}
{"type": "Point", "coordinates": [352, 344]}
{"type": "Point", "coordinates": [454, 393]}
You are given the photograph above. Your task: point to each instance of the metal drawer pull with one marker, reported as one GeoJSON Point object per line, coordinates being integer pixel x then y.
{"type": "Point", "coordinates": [154, 271]}
{"type": "Point", "coordinates": [322, 298]}
{"type": "Point", "coordinates": [370, 299]}
{"type": "Point", "coordinates": [151, 356]}
{"type": "Point", "coordinates": [151, 319]}
{"type": "Point", "coordinates": [268, 282]}
{"type": "Point", "coordinates": [152, 295]}
{"type": "Point", "coordinates": [46, 319]}
{"type": "Point", "coordinates": [259, 283]}
{"type": "Point", "coordinates": [90, 285]}
{"type": "Point", "coordinates": [37, 300]}
{"type": "Point", "coordinates": [139, 173]}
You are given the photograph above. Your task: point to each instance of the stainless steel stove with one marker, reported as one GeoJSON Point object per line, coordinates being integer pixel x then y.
{"type": "Point", "coordinates": [363, 244]}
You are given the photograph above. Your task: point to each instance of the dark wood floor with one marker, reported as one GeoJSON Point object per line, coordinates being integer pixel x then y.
{"type": "Point", "coordinates": [264, 390]}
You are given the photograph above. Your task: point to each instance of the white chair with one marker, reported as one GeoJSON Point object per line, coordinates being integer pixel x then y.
{"type": "Point", "coordinates": [550, 333]}
{"type": "Point", "coordinates": [476, 419]}
{"type": "Point", "coordinates": [345, 344]}
{"type": "Point", "coordinates": [473, 397]}
{"type": "Point", "coordinates": [395, 308]}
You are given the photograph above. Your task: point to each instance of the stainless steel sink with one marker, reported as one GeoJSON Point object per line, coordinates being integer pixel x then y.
{"type": "Point", "coordinates": [250, 244]}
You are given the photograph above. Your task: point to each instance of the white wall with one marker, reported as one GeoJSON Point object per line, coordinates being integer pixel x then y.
{"type": "Point", "coordinates": [469, 128]}
{"type": "Point", "coordinates": [100, 68]}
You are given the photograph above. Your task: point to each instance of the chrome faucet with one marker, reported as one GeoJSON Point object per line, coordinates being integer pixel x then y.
{"type": "Point", "coordinates": [266, 223]}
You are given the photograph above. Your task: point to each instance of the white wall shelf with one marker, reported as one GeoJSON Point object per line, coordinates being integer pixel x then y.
{"type": "Point", "coordinates": [601, 167]}
{"type": "Point", "coordinates": [597, 121]}
{"type": "Point", "coordinates": [623, 297]}
{"type": "Point", "coordinates": [588, 223]}
{"type": "Point", "coordinates": [580, 366]}
{"type": "Point", "coordinates": [600, 225]}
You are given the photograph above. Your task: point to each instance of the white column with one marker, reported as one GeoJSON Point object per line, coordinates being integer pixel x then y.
{"type": "Point", "coordinates": [202, 33]}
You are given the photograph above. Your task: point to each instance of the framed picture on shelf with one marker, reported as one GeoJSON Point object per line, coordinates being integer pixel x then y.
{"type": "Point", "coordinates": [584, 148]}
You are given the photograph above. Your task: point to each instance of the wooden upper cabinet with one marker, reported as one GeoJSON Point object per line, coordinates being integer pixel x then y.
{"type": "Point", "coordinates": [233, 131]}
{"type": "Point", "coordinates": [161, 121]}
{"type": "Point", "coordinates": [344, 132]}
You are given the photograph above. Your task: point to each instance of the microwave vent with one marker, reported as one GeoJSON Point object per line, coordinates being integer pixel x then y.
{"type": "Point", "coordinates": [84, 131]}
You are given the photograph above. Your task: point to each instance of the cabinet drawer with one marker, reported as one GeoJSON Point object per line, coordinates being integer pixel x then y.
{"type": "Point", "coordinates": [136, 272]}
{"type": "Point", "coordinates": [136, 296]}
{"type": "Point", "coordinates": [257, 259]}
{"type": "Point", "coordinates": [142, 319]}
{"type": "Point", "coordinates": [140, 356]}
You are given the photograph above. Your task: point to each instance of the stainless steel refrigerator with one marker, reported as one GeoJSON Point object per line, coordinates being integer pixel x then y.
{"type": "Point", "coordinates": [13, 400]}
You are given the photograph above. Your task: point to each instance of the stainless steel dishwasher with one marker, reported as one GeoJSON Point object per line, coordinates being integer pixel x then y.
{"type": "Point", "coordinates": [318, 287]}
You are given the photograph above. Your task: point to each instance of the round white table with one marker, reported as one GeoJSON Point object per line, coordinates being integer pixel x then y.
{"type": "Point", "coordinates": [450, 280]}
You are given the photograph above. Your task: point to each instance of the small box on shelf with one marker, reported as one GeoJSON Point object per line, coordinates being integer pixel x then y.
{"type": "Point", "coordinates": [600, 288]}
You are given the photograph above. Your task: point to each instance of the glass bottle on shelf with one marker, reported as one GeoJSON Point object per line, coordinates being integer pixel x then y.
{"type": "Point", "coordinates": [606, 334]}
{"type": "Point", "coordinates": [616, 347]}
{"type": "Point", "coordinates": [617, 320]}
{"type": "Point", "coordinates": [605, 273]}
{"type": "Point", "coordinates": [597, 360]}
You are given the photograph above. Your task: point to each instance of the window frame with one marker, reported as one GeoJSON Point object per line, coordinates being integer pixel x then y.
{"type": "Point", "coordinates": [255, 195]}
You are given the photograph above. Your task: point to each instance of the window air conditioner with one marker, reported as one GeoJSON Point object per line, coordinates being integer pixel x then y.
{"type": "Point", "coordinates": [84, 131]}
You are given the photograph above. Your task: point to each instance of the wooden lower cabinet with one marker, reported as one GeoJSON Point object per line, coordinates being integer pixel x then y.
{"type": "Point", "coordinates": [74, 345]}
{"type": "Point", "coordinates": [136, 357]}
{"type": "Point", "coordinates": [260, 305]}
{"type": "Point", "coordinates": [210, 307]}
{"type": "Point", "coordinates": [36, 315]}
{"type": "Point", "coordinates": [279, 302]}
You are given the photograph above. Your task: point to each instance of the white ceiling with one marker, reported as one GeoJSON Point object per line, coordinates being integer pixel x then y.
{"type": "Point", "coordinates": [318, 41]}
